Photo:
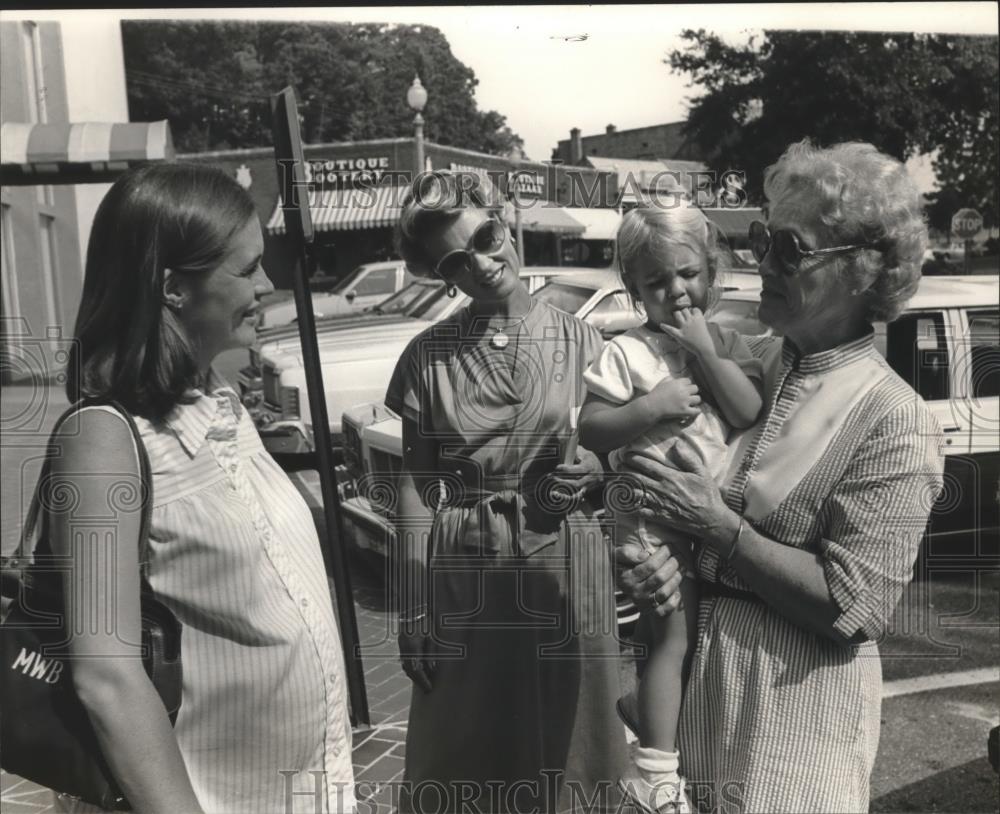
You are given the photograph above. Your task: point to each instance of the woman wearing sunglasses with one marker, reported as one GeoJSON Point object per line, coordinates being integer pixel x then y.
{"type": "Point", "coordinates": [506, 590]}
{"type": "Point", "coordinates": [811, 540]}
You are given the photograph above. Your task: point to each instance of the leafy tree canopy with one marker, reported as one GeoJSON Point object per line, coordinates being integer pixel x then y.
{"type": "Point", "coordinates": [212, 81]}
{"type": "Point", "coordinates": [904, 93]}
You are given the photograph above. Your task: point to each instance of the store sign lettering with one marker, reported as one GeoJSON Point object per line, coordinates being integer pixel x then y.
{"type": "Point", "coordinates": [517, 183]}
{"type": "Point", "coordinates": [346, 171]}
{"type": "Point", "coordinates": [526, 183]}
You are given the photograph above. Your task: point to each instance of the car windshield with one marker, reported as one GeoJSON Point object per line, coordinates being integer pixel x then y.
{"type": "Point", "coordinates": [731, 260]}
{"type": "Point", "coordinates": [565, 297]}
{"type": "Point", "coordinates": [402, 300]}
{"type": "Point", "coordinates": [739, 316]}
{"type": "Point", "coordinates": [348, 281]}
{"type": "Point", "coordinates": [433, 304]}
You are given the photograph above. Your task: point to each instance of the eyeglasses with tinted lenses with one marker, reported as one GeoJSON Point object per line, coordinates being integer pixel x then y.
{"type": "Point", "coordinates": [488, 239]}
{"type": "Point", "coordinates": [787, 249]}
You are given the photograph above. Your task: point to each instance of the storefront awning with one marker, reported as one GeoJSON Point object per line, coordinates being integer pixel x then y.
{"type": "Point", "coordinates": [733, 223]}
{"type": "Point", "coordinates": [347, 209]}
{"type": "Point", "coordinates": [598, 224]}
{"type": "Point", "coordinates": [543, 217]}
{"type": "Point", "coordinates": [81, 152]}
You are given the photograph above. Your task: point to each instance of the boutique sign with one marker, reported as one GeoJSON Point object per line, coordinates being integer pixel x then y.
{"type": "Point", "coordinates": [347, 172]}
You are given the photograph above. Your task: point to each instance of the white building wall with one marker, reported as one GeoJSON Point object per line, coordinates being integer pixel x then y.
{"type": "Point", "coordinates": [95, 91]}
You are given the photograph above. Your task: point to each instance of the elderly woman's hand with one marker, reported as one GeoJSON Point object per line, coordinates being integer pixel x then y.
{"type": "Point", "coordinates": [650, 579]}
{"type": "Point", "coordinates": [686, 499]}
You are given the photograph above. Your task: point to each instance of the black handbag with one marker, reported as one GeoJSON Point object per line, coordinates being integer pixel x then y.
{"type": "Point", "coordinates": [45, 732]}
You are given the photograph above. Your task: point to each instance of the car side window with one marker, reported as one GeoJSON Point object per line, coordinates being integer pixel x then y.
{"type": "Point", "coordinates": [984, 351]}
{"type": "Point", "coordinates": [916, 348]}
{"type": "Point", "coordinates": [379, 281]}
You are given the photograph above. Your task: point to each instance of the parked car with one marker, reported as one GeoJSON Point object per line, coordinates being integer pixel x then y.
{"type": "Point", "coordinates": [319, 283]}
{"type": "Point", "coordinates": [946, 345]}
{"type": "Point", "coordinates": [411, 301]}
{"type": "Point", "coordinates": [357, 355]}
{"type": "Point", "coordinates": [366, 286]}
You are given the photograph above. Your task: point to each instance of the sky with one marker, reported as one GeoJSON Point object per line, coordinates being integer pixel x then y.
{"type": "Point", "coordinates": [551, 68]}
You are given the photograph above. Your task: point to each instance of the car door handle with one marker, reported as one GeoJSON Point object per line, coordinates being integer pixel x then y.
{"type": "Point", "coordinates": [952, 429]}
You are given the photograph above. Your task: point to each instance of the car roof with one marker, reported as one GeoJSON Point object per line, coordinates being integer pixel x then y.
{"type": "Point", "coordinates": [956, 292]}
{"type": "Point", "coordinates": [959, 291]}
{"type": "Point", "coordinates": [380, 264]}
{"type": "Point", "coordinates": [526, 271]}
{"type": "Point", "coordinates": [590, 277]}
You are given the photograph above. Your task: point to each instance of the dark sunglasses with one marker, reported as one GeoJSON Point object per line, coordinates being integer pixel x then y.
{"type": "Point", "coordinates": [488, 239]}
{"type": "Point", "coordinates": [787, 248]}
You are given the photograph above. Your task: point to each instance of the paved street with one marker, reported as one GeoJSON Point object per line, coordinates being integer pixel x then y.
{"type": "Point", "coordinates": [932, 754]}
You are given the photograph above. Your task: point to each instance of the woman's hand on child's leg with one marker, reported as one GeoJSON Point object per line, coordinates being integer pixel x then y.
{"type": "Point", "coordinates": [651, 579]}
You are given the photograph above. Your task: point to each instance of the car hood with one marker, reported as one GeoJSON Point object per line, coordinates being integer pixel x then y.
{"type": "Point", "coordinates": [357, 344]}
{"type": "Point", "coordinates": [287, 337]}
{"type": "Point", "coordinates": [324, 305]}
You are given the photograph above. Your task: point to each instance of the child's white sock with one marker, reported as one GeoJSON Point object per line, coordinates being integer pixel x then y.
{"type": "Point", "coordinates": [656, 766]}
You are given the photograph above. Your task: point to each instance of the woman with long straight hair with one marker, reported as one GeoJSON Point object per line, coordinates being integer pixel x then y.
{"type": "Point", "coordinates": [173, 279]}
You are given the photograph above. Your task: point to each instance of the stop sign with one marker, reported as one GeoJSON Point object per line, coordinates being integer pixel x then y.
{"type": "Point", "coordinates": [966, 223]}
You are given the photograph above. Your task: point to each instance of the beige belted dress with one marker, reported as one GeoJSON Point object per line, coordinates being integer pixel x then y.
{"type": "Point", "coordinates": [521, 715]}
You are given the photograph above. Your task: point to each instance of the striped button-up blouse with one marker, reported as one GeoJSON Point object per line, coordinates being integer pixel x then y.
{"type": "Point", "coordinates": [233, 551]}
{"type": "Point", "coordinates": [846, 463]}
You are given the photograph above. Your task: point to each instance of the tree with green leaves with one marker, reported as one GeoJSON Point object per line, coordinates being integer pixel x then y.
{"type": "Point", "coordinates": [905, 93]}
{"type": "Point", "coordinates": [212, 79]}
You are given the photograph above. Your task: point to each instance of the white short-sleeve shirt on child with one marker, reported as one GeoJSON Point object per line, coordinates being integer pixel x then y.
{"type": "Point", "coordinates": [633, 364]}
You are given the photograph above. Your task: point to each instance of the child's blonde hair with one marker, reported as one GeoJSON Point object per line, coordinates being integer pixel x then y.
{"type": "Point", "coordinates": [649, 231]}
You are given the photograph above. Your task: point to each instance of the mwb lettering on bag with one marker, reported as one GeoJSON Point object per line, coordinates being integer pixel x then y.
{"type": "Point", "coordinates": [33, 665]}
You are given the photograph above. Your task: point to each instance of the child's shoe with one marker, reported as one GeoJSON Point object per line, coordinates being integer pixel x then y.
{"type": "Point", "coordinates": [665, 797]}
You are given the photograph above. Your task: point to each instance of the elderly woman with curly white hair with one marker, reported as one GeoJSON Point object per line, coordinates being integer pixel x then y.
{"type": "Point", "coordinates": [807, 547]}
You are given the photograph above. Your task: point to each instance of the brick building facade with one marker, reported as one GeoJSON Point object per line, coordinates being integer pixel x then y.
{"type": "Point", "coordinates": [659, 141]}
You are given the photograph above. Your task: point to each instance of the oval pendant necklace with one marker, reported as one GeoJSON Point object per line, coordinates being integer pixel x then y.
{"type": "Point", "coordinates": [499, 340]}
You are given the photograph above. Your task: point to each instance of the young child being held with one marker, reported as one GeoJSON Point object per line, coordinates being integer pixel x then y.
{"type": "Point", "coordinates": [676, 381]}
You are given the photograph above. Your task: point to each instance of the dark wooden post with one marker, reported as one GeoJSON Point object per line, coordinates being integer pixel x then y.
{"type": "Point", "coordinates": [298, 225]}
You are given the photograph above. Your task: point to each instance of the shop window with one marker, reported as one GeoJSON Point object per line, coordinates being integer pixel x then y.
{"type": "Point", "coordinates": [984, 350]}
{"type": "Point", "coordinates": [917, 349]}
{"type": "Point", "coordinates": [565, 297]}
{"type": "Point", "coordinates": [377, 282]}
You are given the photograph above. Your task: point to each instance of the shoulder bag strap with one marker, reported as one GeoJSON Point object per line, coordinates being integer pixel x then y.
{"type": "Point", "coordinates": [145, 476]}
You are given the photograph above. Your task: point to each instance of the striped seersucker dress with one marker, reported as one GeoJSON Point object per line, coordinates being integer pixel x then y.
{"type": "Point", "coordinates": [845, 462]}
{"type": "Point", "coordinates": [264, 724]}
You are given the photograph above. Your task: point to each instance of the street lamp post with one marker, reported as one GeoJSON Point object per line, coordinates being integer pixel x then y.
{"type": "Point", "coordinates": [416, 98]}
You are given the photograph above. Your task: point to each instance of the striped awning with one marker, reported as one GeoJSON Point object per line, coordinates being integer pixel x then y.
{"type": "Point", "coordinates": [79, 152]}
{"type": "Point", "coordinates": [543, 217]}
{"type": "Point", "coordinates": [345, 209]}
